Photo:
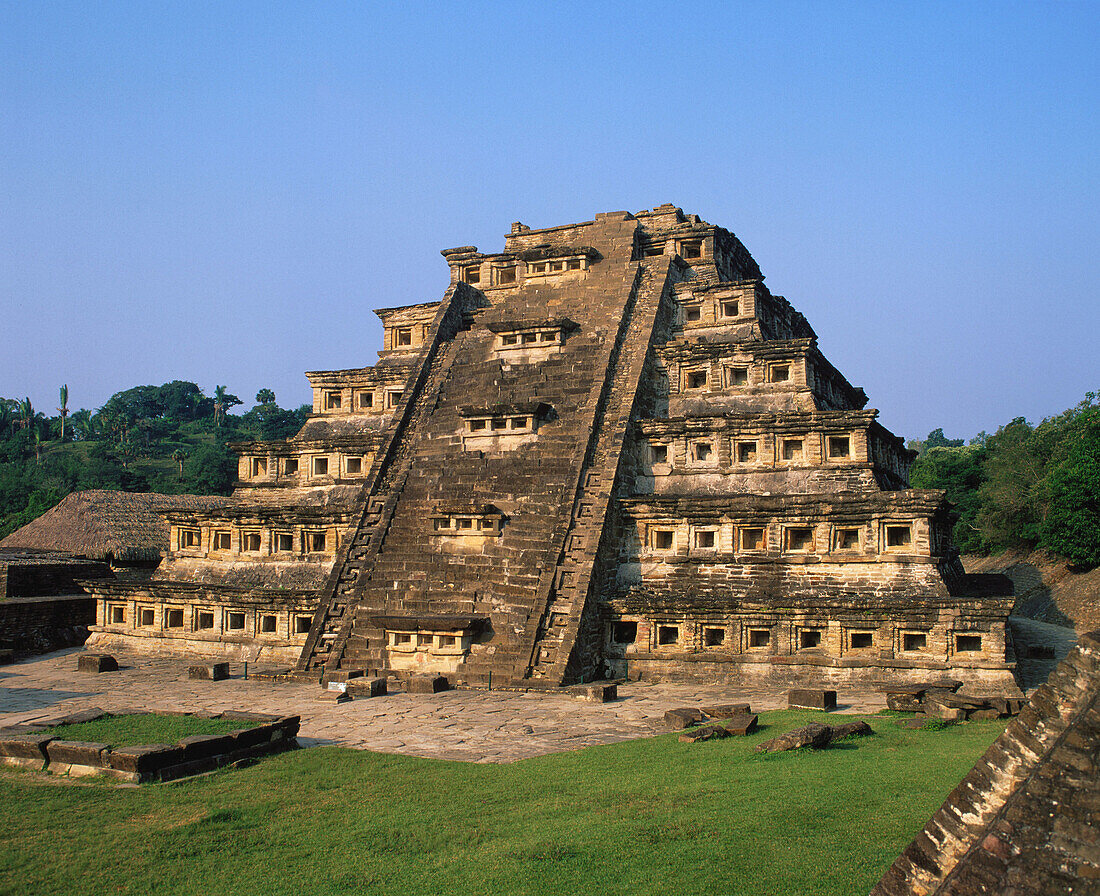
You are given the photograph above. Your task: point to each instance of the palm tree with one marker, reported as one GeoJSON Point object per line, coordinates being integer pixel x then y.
{"type": "Point", "coordinates": [63, 395]}
{"type": "Point", "coordinates": [179, 456]}
{"type": "Point", "coordinates": [37, 447]}
{"type": "Point", "coordinates": [219, 404]}
{"type": "Point", "coordinates": [223, 401]}
{"type": "Point", "coordinates": [26, 413]}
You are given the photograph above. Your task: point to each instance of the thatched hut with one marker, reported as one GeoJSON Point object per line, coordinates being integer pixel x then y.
{"type": "Point", "coordinates": [120, 528]}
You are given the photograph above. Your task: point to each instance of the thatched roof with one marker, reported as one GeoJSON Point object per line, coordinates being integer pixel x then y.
{"type": "Point", "coordinates": [103, 525]}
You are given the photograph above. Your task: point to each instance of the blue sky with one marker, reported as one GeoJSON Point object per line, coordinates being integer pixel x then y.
{"type": "Point", "coordinates": [223, 192]}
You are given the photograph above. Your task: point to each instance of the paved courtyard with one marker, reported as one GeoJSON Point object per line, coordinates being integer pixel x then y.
{"type": "Point", "coordinates": [471, 726]}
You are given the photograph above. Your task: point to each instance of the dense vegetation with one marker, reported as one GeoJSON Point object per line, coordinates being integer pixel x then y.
{"type": "Point", "coordinates": [646, 816]}
{"type": "Point", "coordinates": [1024, 486]}
{"type": "Point", "coordinates": [169, 439]}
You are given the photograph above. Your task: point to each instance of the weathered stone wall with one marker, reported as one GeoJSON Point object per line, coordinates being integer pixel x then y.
{"type": "Point", "coordinates": [1024, 820]}
{"type": "Point", "coordinates": [42, 624]}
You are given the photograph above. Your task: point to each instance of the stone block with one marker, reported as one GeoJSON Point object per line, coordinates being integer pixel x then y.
{"type": "Point", "coordinates": [245, 738]}
{"type": "Point", "coordinates": [212, 672]}
{"type": "Point", "coordinates": [145, 760]}
{"type": "Point", "coordinates": [428, 684]}
{"type": "Point", "coordinates": [29, 748]}
{"type": "Point", "coordinates": [727, 710]}
{"type": "Point", "coordinates": [935, 709]}
{"type": "Point", "coordinates": [704, 732]}
{"type": "Point", "coordinates": [984, 714]}
{"type": "Point", "coordinates": [327, 696]}
{"type": "Point", "coordinates": [76, 752]}
{"type": "Point", "coordinates": [289, 726]}
{"type": "Point", "coordinates": [203, 746]}
{"type": "Point", "coordinates": [850, 729]}
{"type": "Point", "coordinates": [367, 687]}
{"type": "Point", "coordinates": [806, 698]}
{"type": "Point", "coordinates": [904, 703]}
{"type": "Point", "coordinates": [685, 717]}
{"type": "Point", "coordinates": [742, 724]}
{"type": "Point", "coordinates": [814, 736]}
{"type": "Point", "coordinates": [94, 663]}
{"type": "Point", "coordinates": [600, 693]}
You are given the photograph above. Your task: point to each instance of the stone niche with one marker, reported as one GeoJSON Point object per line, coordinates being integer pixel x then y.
{"type": "Point", "coordinates": [526, 342]}
{"type": "Point", "coordinates": [503, 427]}
{"type": "Point", "coordinates": [428, 643]}
{"type": "Point", "coordinates": [461, 528]}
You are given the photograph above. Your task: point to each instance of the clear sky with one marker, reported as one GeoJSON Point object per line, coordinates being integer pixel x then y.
{"type": "Point", "coordinates": [222, 192]}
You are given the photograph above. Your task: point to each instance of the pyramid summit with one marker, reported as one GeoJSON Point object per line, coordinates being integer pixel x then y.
{"type": "Point", "coordinates": [607, 451]}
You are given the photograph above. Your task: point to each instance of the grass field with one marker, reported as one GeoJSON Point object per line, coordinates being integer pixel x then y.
{"type": "Point", "coordinates": [144, 728]}
{"type": "Point", "coordinates": [651, 815]}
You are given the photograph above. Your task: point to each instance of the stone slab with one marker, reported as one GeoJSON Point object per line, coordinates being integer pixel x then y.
{"type": "Point", "coordinates": [201, 746]}
{"type": "Point", "coordinates": [145, 759]}
{"type": "Point", "coordinates": [850, 729]}
{"type": "Point", "coordinates": [808, 698]}
{"type": "Point", "coordinates": [330, 696]}
{"type": "Point", "coordinates": [703, 733]}
{"type": "Point", "coordinates": [683, 717]}
{"type": "Point", "coordinates": [814, 736]}
{"type": "Point", "coordinates": [76, 752]}
{"type": "Point", "coordinates": [91, 714]}
{"type": "Point", "coordinates": [741, 725]}
{"type": "Point", "coordinates": [25, 746]}
{"type": "Point", "coordinates": [726, 710]}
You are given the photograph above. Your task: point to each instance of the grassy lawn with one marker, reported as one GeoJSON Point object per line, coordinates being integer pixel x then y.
{"type": "Point", "coordinates": [147, 728]}
{"type": "Point", "coordinates": [652, 815]}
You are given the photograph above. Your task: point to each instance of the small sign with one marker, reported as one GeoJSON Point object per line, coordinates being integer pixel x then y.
{"type": "Point", "coordinates": [341, 686]}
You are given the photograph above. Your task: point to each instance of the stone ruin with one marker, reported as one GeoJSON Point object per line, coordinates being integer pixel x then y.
{"type": "Point", "coordinates": [607, 451]}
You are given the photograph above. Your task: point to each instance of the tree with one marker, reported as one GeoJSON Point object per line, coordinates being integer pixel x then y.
{"type": "Point", "coordinates": [179, 456]}
{"type": "Point", "coordinates": [265, 396]}
{"type": "Point", "coordinates": [1011, 497]}
{"type": "Point", "coordinates": [936, 439]}
{"type": "Point", "coordinates": [210, 470]}
{"type": "Point", "coordinates": [959, 471]}
{"type": "Point", "coordinates": [1071, 525]}
{"type": "Point", "coordinates": [63, 410]}
{"type": "Point", "coordinates": [223, 401]}
{"type": "Point", "coordinates": [26, 413]}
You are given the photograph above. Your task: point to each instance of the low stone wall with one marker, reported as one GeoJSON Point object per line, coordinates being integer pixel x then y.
{"type": "Point", "coordinates": [195, 755]}
{"type": "Point", "coordinates": [41, 624]}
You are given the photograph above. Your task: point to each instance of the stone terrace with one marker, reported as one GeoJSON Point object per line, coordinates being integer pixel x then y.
{"type": "Point", "coordinates": [465, 725]}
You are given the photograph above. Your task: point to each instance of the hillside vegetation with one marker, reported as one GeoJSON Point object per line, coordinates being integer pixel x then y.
{"type": "Point", "coordinates": [169, 439]}
{"type": "Point", "coordinates": [1023, 487]}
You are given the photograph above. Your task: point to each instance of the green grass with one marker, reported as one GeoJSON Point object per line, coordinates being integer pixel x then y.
{"type": "Point", "coordinates": [652, 815]}
{"type": "Point", "coordinates": [145, 728]}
